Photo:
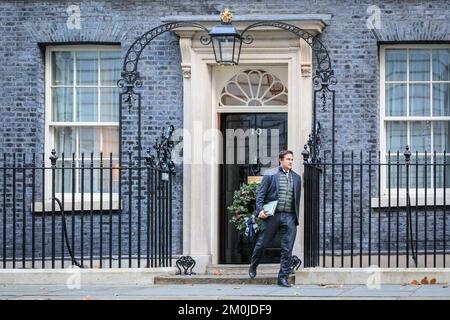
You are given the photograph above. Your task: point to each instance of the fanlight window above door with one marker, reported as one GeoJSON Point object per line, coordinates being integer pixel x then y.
{"type": "Point", "coordinates": [254, 88]}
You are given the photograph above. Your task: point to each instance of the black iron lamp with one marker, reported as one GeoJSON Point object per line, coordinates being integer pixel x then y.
{"type": "Point", "coordinates": [226, 41]}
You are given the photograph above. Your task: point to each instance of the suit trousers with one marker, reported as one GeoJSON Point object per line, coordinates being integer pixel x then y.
{"type": "Point", "coordinates": [284, 222]}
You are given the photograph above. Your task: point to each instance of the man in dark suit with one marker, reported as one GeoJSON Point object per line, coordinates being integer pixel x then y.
{"type": "Point", "coordinates": [284, 185]}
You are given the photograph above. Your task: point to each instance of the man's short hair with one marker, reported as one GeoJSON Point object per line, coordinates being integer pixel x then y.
{"type": "Point", "coordinates": [283, 153]}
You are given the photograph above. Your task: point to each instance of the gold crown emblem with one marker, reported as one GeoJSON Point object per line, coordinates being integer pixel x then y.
{"type": "Point", "coordinates": [226, 16]}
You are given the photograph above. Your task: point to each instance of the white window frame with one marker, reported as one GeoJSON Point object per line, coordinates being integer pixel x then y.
{"type": "Point", "coordinates": [383, 127]}
{"type": "Point", "coordinates": [49, 141]}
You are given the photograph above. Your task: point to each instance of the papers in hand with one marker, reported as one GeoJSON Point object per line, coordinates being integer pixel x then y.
{"type": "Point", "coordinates": [270, 207]}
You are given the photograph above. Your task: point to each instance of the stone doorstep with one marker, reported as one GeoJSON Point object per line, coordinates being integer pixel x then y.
{"type": "Point", "coordinates": [221, 279]}
{"type": "Point", "coordinates": [237, 274]}
{"type": "Point", "coordinates": [370, 276]}
{"type": "Point", "coordinates": [240, 269]}
{"type": "Point", "coordinates": [114, 276]}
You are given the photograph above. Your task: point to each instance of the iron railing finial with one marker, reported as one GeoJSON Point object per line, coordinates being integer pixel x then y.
{"type": "Point", "coordinates": [53, 158]}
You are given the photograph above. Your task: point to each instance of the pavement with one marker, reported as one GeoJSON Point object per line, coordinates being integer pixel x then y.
{"type": "Point", "coordinates": [222, 292]}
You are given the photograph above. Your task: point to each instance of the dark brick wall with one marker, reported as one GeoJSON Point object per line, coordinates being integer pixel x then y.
{"type": "Point", "coordinates": [352, 46]}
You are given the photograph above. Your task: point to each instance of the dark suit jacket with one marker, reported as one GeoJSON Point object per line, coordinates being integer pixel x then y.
{"type": "Point", "coordinates": [268, 190]}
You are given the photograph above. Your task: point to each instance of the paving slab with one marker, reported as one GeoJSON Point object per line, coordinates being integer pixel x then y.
{"type": "Point", "coordinates": [221, 292]}
{"type": "Point", "coordinates": [432, 291]}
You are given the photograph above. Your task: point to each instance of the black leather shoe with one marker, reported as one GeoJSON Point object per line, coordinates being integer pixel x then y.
{"type": "Point", "coordinates": [252, 272]}
{"type": "Point", "coordinates": [283, 282]}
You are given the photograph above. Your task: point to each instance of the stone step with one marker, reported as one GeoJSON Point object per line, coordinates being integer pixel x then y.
{"type": "Point", "coordinates": [222, 279]}
{"type": "Point", "coordinates": [241, 269]}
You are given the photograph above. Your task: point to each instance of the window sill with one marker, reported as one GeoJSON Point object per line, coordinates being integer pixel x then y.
{"type": "Point", "coordinates": [38, 207]}
{"type": "Point", "coordinates": [383, 201]}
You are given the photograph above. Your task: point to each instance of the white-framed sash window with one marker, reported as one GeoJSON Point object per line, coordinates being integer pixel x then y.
{"type": "Point", "coordinates": [82, 113]}
{"type": "Point", "coordinates": [415, 111]}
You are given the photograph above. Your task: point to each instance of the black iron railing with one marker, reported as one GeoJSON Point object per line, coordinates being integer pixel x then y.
{"type": "Point", "coordinates": [374, 209]}
{"type": "Point", "coordinates": [60, 211]}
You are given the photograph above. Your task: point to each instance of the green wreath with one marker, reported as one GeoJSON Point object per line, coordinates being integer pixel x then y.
{"type": "Point", "coordinates": [243, 206]}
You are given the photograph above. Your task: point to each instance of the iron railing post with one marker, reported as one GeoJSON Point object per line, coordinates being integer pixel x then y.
{"type": "Point", "coordinates": [53, 159]}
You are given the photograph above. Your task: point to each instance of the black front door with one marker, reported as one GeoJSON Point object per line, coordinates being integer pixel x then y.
{"type": "Point", "coordinates": [235, 248]}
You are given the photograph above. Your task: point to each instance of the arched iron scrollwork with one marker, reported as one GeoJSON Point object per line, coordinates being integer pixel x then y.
{"type": "Point", "coordinates": [323, 80]}
{"type": "Point", "coordinates": [319, 50]}
{"type": "Point", "coordinates": [130, 75]}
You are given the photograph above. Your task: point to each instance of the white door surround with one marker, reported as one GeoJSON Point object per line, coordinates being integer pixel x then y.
{"type": "Point", "coordinates": [201, 187]}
